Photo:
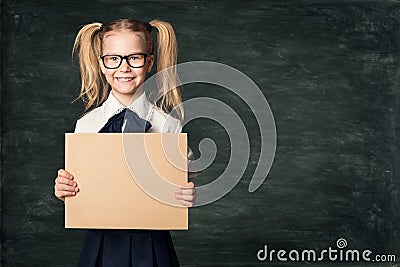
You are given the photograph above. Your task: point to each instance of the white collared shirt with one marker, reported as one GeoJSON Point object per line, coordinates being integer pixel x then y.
{"type": "Point", "coordinates": [161, 122]}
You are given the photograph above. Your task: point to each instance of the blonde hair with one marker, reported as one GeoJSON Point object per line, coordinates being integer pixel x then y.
{"type": "Point", "coordinates": [94, 86]}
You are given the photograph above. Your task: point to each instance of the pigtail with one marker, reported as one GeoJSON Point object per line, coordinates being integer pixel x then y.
{"type": "Point", "coordinates": [167, 53]}
{"type": "Point", "coordinates": [87, 47]}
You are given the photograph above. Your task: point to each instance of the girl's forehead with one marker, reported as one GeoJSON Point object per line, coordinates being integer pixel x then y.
{"type": "Point", "coordinates": [123, 38]}
{"type": "Point", "coordinates": [123, 34]}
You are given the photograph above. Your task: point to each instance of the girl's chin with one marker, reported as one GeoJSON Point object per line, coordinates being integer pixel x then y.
{"type": "Point", "coordinates": [125, 91]}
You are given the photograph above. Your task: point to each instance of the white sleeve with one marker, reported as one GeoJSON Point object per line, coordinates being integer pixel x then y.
{"type": "Point", "coordinates": [77, 127]}
{"type": "Point", "coordinates": [192, 173]}
{"type": "Point", "coordinates": [178, 128]}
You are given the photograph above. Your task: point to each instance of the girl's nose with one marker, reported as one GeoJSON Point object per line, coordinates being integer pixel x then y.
{"type": "Point", "coordinates": [124, 66]}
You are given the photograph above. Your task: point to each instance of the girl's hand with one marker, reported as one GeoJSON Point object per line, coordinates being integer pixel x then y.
{"type": "Point", "coordinates": [186, 194]}
{"type": "Point", "coordinates": [64, 185]}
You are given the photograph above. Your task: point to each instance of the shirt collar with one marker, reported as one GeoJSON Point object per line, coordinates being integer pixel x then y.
{"type": "Point", "coordinates": [140, 106]}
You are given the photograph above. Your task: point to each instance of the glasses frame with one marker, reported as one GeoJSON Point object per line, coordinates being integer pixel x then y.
{"type": "Point", "coordinates": [126, 59]}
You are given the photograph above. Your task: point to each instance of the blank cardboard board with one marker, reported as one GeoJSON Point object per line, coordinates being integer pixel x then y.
{"type": "Point", "coordinates": [111, 197]}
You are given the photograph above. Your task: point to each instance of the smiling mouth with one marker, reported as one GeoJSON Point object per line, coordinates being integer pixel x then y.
{"type": "Point", "coordinates": [124, 79]}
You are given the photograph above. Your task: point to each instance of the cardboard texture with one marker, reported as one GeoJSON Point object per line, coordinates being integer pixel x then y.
{"type": "Point", "coordinates": [109, 196]}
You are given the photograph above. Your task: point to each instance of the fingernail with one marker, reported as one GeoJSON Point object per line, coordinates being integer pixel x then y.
{"type": "Point", "coordinates": [76, 189]}
{"type": "Point", "coordinates": [74, 184]}
{"type": "Point", "coordinates": [73, 193]}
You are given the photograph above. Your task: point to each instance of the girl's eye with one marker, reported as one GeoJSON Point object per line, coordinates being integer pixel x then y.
{"type": "Point", "coordinates": [133, 58]}
{"type": "Point", "coordinates": [114, 58]}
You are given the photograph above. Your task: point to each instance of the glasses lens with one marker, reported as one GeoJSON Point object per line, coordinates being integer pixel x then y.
{"type": "Point", "coordinates": [112, 61]}
{"type": "Point", "coordinates": [136, 61]}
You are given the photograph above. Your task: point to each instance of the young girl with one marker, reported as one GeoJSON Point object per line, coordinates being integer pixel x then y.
{"type": "Point", "coordinates": [114, 60]}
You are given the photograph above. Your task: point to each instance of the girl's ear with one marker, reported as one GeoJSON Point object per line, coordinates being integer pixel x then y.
{"type": "Point", "coordinates": [103, 69]}
{"type": "Point", "coordinates": [151, 62]}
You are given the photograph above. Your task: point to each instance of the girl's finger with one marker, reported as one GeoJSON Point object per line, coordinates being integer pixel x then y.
{"type": "Point", "coordinates": [186, 203]}
{"type": "Point", "coordinates": [186, 188]}
{"type": "Point", "coordinates": [62, 194]}
{"type": "Point", "coordinates": [64, 173]}
{"type": "Point", "coordinates": [188, 185]}
{"type": "Point", "coordinates": [184, 197]}
{"type": "Point", "coordinates": [64, 187]}
{"type": "Point", "coordinates": [62, 180]}
{"type": "Point", "coordinates": [187, 191]}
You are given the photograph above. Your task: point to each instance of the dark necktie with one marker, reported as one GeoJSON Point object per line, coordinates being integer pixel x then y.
{"type": "Point", "coordinates": [134, 124]}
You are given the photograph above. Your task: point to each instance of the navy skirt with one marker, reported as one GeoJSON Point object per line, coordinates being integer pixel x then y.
{"type": "Point", "coordinates": [128, 248]}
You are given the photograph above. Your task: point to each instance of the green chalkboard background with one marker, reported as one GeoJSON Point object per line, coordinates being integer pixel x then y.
{"type": "Point", "coordinates": [330, 72]}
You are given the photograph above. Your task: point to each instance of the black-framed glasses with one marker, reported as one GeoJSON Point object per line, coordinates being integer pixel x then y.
{"type": "Point", "coordinates": [114, 61]}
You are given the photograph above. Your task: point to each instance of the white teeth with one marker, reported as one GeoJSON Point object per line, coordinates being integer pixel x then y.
{"type": "Point", "coordinates": [125, 79]}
